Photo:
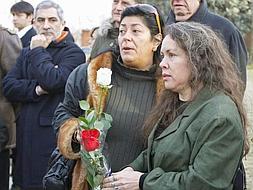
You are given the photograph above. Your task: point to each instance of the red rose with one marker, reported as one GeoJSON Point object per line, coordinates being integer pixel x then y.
{"type": "Point", "coordinates": [90, 139]}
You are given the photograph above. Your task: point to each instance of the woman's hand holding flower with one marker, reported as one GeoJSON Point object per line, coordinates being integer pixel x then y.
{"type": "Point", "coordinates": [125, 179]}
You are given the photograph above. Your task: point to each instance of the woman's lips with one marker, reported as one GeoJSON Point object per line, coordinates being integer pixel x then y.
{"type": "Point", "coordinates": [166, 76]}
{"type": "Point", "coordinates": [127, 49]}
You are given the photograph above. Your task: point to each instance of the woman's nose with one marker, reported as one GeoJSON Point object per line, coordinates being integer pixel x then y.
{"type": "Point", "coordinates": [164, 64]}
{"type": "Point", "coordinates": [127, 36]}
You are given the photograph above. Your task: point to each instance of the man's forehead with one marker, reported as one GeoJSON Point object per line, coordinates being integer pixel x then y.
{"type": "Point", "coordinates": [47, 13]}
{"type": "Point", "coordinates": [129, 1]}
{"type": "Point", "coordinates": [188, 1]}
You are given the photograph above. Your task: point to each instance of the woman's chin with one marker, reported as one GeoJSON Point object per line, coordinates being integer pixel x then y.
{"type": "Point", "coordinates": [127, 59]}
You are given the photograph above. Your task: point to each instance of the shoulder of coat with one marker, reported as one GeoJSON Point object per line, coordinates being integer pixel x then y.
{"type": "Point", "coordinates": [10, 31]}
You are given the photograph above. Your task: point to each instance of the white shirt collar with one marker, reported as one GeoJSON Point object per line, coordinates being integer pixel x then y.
{"type": "Point", "coordinates": [22, 32]}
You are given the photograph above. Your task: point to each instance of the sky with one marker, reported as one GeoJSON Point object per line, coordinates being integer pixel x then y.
{"type": "Point", "coordinates": [79, 14]}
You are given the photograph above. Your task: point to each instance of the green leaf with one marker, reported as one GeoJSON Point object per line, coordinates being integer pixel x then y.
{"type": "Point", "coordinates": [84, 105]}
{"type": "Point", "coordinates": [85, 156]}
{"type": "Point", "coordinates": [90, 116]}
{"type": "Point", "coordinates": [84, 120]}
{"type": "Point", "coordinates": [84, 124]}
{"type": "Point", "coordinates": [90, 180]}
{"type": "Point", "coordinates": [108, 117]}
{"type": "Point", "coordinates": [107, 124]}
{"type": "Point", "coordinates": [87, 162]}
{"type": "Point", "coordinates": [99, 125]}
{"type": "Point", "coordinates": [98, 179]}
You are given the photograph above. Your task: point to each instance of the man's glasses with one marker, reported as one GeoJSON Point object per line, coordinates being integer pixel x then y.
{"type": "Point", "coordinates": [152, 10]}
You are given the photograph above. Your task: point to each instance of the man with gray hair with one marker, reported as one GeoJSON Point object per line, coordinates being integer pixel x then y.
{"type": "Point", "coordinates": [197, 11]}
{"type": "Point", "coordinates": [37, 81]}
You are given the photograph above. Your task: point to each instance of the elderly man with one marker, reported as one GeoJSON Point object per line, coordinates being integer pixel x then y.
{"type": "Point", "coordinates": [22, 13]}
{"type": "Point", "coordinates": [37, 81]}
{"type": "Point", "coordinates": [197, 11]}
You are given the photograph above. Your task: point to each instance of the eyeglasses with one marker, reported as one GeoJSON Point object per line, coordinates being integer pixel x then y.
{"type": "Point", "coordinates": [152, 10]}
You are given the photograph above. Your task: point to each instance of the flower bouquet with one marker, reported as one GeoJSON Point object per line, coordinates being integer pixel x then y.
{"type": "Point", "coordinates": [94, 125]}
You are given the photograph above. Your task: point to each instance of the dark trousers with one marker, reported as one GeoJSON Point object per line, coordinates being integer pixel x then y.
{"type": "Point", "coordinates": [4, 169]}
{"type": "Point", "coordinates": [13, 157]}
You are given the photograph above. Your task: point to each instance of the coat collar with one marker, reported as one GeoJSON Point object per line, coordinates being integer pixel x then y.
{"type": "Point", "coordinates": [173, 127]}
{"type": "Point", "coordinates": [197, 17]}
{"type": "Point", "coordinates": [203, 95]}
{"type": "Point", "coordinates": [102, 61]}
{"type": "Point", "coordinates": [67, 38]}
{"type": "Point", "coordinates": [22, 32]}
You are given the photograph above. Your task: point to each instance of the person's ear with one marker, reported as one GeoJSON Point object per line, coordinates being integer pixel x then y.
{"type": "Point", "coordinates": [157, 39]}
{"type": "Point", "coordinates": [171, 3]}
{"type": "Point", "coordinates": [63, 24]}
{"type": "Point", "coordinates": [30, 17]}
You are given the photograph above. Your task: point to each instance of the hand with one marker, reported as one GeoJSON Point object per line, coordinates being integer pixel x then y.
{"type": "Point", "coordinates": [40, 41]}
{"type": "Point", "coordinates": [125, 179]}
{"type": "Point", "coordinates": [40, 91]}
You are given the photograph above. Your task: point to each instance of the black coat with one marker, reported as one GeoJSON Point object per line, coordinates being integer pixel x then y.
{"type": "Point", "coordinates": [227, 29]}
{"type": "Point", "coordinates": [50, 69]}
{"type": "Point", "coordinates": [26, 39]}
{"type": "Point", "coordinates": [4, 137]}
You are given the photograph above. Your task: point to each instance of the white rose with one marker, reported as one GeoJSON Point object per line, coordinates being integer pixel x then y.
{"type": "Point", "coordinates": [104, 76]}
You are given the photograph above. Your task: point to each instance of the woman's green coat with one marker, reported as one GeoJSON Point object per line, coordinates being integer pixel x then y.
{"type": "Point", "coordinates": [200, 150]}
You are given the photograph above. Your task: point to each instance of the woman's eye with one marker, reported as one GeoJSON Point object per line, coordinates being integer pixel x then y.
{"type": "Point", "coordinates": [136, 30]}
{"type": "Point", "coordinates": [171, 55]}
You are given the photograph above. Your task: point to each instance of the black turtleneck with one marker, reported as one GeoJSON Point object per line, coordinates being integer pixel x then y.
{"type": "Point", "coordinates": [129, 101]}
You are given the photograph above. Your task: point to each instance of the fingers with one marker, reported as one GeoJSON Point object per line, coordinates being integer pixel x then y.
{"type": "Point", "coordinates": [111, 183]}
{"type": "Point", "coordinates": [40, 40]}
{"type": "Point", "coordinates": [108, 181]}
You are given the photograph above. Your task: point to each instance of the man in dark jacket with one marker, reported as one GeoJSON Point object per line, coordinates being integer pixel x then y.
{"type": "Point", "coordinates": [197, 11]}
{"type": "Point", "coordinates": [37, 81]}
{"type": "Point", "coordinates": [22, 13]}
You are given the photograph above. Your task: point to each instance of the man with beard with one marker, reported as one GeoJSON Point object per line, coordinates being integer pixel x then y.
{"type": "Point", "coordinates": [37, 81]}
